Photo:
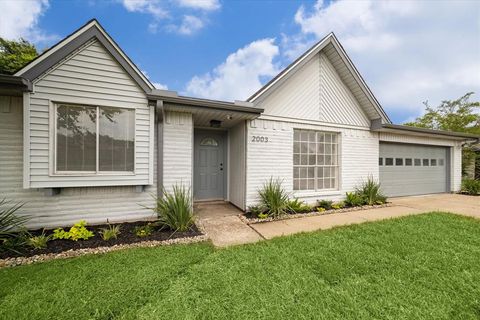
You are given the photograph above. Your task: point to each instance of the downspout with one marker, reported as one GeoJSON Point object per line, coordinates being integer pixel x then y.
{"type": "Point", "coordinates": [160, 116]}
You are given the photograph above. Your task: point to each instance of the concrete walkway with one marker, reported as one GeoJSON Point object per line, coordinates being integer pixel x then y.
{"type": "Point", "coordinates": [221, 223]}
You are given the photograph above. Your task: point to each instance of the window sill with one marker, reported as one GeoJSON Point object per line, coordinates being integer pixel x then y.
{"type": "Point", "coordinates": [92, 174]}
{"type": "Point", "coordinates": [322, 193]}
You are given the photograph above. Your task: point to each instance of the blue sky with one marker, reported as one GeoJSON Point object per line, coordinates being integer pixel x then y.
{"type": "Point", "coordinates": [408, 52]}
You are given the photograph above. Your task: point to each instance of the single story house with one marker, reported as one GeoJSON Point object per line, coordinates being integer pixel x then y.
{"type": "Point", "coordinates": [85, 135]}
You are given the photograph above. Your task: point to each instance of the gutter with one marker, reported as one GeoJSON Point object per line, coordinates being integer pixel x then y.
{"type": "Point", "coordinates": [168, 96]}
{"type": "Point", "coordinates": [378, 126]}
{"type": "Point", "coordinates": [159, 111]}
{"type": "Point", "coordinates": [15, 82]}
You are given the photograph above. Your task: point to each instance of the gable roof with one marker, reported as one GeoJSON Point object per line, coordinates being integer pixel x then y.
{"type": "Point", "coordinates": [92, 29]}
{"type": "Point", "coordinates": [340, 59]}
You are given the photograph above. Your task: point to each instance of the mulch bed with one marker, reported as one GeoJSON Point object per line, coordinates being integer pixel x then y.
{"type": "Point", "coordinates": [250, 218]}
{"type": "Point", "coordinates": [126, 236]}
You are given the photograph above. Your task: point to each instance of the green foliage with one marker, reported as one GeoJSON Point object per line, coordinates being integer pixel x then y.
{"type": "Point", "coordinates": [144, 231]}
{"type": "Point", "coordinates": [174, 209]}
{"type": "Point", "coordinates": [471, 186]}
{"type": "Point", "coordinates": [40, 241]}
{"type": "Point", "coordinates": [15, 243]}
{"type": "Point", "coordinates": [325, 204]}
{"type": "Point", "coordinates": [338, 205]}
{"type": "Point", "coordinates": [262, 215]}
{"type": "Point", "coordinates": [370, 192]}
{"type": "Point", "coordinates": [274, 198]}
{"type": "Point", "coordinates": [460, 115]}
{"type": "Point", "coordinates": [353, 199]}
{"type": "Point", "coordinates": [297, 206]}
{"type": "Point", "coordinates": [111, 232]}
{"type": "Point", "coordinates": [10, 223]}
{"type": "Point", "coordinates": [15, 54]}
{"type": "Point", "coordinates": [256, 210]}
{"type": "Point", "coordinates": [77, 232]}
{"type": "Point", "coordinates": [320, 209]}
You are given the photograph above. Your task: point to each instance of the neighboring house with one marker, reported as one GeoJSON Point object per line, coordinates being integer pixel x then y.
{"type": "Point", "coordinates": [85, 135]}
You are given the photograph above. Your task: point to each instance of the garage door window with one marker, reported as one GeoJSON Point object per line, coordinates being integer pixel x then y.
{"type": "Point", "coordinates": [380, 161]}
{"type": "Point", "coordinates": [389, 161]}
{"type": "Point", "coordinates": [399, 161]}
{"type": "Point", "coordinates": [425, 162]}
{"type": "Point", "coordinates": [417, 162]}
{"type": "Point", "coordinates": [315, 160]}
{"type": "Point", "coordinates": [440, 162]}
{"type": "Point", "coordinates": [433, 162]}
{"type": "Point", "coordinates": [408, 161]}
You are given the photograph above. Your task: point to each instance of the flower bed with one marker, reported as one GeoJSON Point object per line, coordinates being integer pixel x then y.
{"type": "Point", "coordinates": [127, 235]}
{"type": "Point", "coordinates": [251, 219]}
{"type": "Point", "coordinates": [17, 261]}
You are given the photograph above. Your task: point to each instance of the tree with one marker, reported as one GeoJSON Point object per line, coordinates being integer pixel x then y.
{"type": "Point", "coordinates": [15, 54]}
{"type": "Point", "coordinates": [460, 115]}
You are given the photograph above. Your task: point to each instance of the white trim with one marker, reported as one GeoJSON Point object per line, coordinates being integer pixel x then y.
{"type": "Point", "coordinates": [53, 172]}
{"type": "Point", "coordinates": [26, 140]}
{"type": "Point", "coordinates": [306, 56]}
{"type": "Point", "coordinates": [310, 122]}
{"type": "Point", "coordinates": [151, 147]}
{"type": "Point", "coordinates": [65, 41]}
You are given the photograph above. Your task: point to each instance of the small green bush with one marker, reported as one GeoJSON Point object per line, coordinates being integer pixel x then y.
{"type": "Point", "coordinates": [297, 206]}
{"type": "Point", "coordinates": [471, 186]}
{"type": "Point", "coordinates": [144, 231]}
{"type": "Point", "coordinates": [10, 222]}
{"type": "Point", "coordinates": [256, 210]}
{"type": "Point", "coordinates": [274, 198]}
{"type": "Point", "coordinates": [111, 232]}
{"type": "Point", "coordinates": [370, 192]}
{"type": "Point", "coordinates": [40, 241]}
{"type": "Point", "coordinates": [15, 243]}
{"type": "Point", "coordinates": [325, 204]}
{"type": "Point", "coordinates": [262, 216]}
{"type": "Point", "coordinates": [338, 205]}
{"type": "Point", "coordinates": [77, 232]}
{"type": "Point", "coordinates": [353, 199]}
{"type": "Point", "coordinates": [174, 210]}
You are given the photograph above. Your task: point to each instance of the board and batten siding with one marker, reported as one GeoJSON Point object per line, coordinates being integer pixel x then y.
{"type": "Point", "coordinates": [96, 205]}
{"type": "Point", "coordinates": [89, 76]}
{"type": "Point", "coordinates": [236, 165]}
{"type": "Point", "coordinates": [358, 158]}
{"type": "Point", "coordinates": [177, 150]}
{"type": "Point", "coordinates": [455, 152]}
{"type": "Point", "coordinates": [315, 92]}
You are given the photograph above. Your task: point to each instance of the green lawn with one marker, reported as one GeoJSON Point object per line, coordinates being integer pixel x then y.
{"type": "Point", "coordinates": [419, 267]}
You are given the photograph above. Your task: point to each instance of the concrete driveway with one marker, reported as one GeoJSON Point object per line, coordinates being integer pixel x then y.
{"type": "Point", "coordinates": [455, 203]}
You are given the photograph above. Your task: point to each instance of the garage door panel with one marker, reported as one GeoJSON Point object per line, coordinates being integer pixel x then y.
{"type": "Point", "coordinates": [399, 179]}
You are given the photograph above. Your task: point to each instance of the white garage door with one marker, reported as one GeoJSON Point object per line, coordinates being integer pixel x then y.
{"type": "Point", "coordinates": [410, 169]}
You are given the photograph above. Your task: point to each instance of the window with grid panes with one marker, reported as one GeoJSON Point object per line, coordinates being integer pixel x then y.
{"type": "Point", "coordinates": [315, 160]}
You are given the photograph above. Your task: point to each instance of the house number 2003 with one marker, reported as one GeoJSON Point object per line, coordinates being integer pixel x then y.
{"type": "Point", "coordinates": [259, 139]}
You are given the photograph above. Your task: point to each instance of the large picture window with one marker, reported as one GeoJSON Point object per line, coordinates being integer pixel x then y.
{"type": "Point", "coordinates": [315, 160]}
{"type": "Point", "coordinates": [94, 139]}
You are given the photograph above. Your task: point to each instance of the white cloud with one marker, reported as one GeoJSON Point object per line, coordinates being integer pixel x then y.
{"type": "Point", "coordinates": [164, 19]}
{"type": "Point", "coordinates": [207, 5]}
{"type": "Point", "coordinates": [240, 75]}
{"type": "Point", "coordinates": [20, 20]}
{"type": "Point", "coordinates": [160, 86]}
{"type": "Point", "coordinates": [408, 51]}
{"type": "Point", "coordinates": [153, 7]}
{"type": "Point", "coordinates": [189, 25]}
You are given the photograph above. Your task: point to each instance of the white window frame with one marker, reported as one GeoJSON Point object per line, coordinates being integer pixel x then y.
{"type": "Point", "coordinates": [316, 190]}
{"type": "Point", "coordinates": [97, 172]}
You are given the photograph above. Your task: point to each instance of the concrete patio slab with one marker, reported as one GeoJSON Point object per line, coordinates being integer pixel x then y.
{"type": "Point", "coordinates": [220, 222]}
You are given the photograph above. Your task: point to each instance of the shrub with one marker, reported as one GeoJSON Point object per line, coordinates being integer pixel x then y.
{"type": "Point", "coordinates": [339, 205]}
{"type": "Point", "coordinates": [10, 223]}
{"type": "Point", "coordinates": [320, 209]}
{"type": "Point", "coordinates": [144, 231]}
{"type": "Point", "coordinates": [353, 199]}
{"type": "Point", "coordinates": [471, 186]}
{"type": "Point", "coordinates": [325, 204]}
{"type": "Point", "coordinates": [111, 232]}
{"type": "Point", "coordinates": [77, 232]}
{"type": "Point", "coordinates": [174, 209]}
{"type": "Point", "coordinates": [256, 210]}
{"type": "Point", "coordinates": [370, 192]}
{"type": "Point", "coordinates": [297, 206]}
{"type": "Point", "coordinates": [16, 243]}
{"type": "Point", "coordinates": [274, 198]}
{"type": "Point", "coordinates": [262, 215]}
{"type": "Point", "coordinates": [40, 241]}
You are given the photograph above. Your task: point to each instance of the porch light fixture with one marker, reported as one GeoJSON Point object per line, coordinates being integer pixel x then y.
{"type": "Point", "coordinates": [215, 123]}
